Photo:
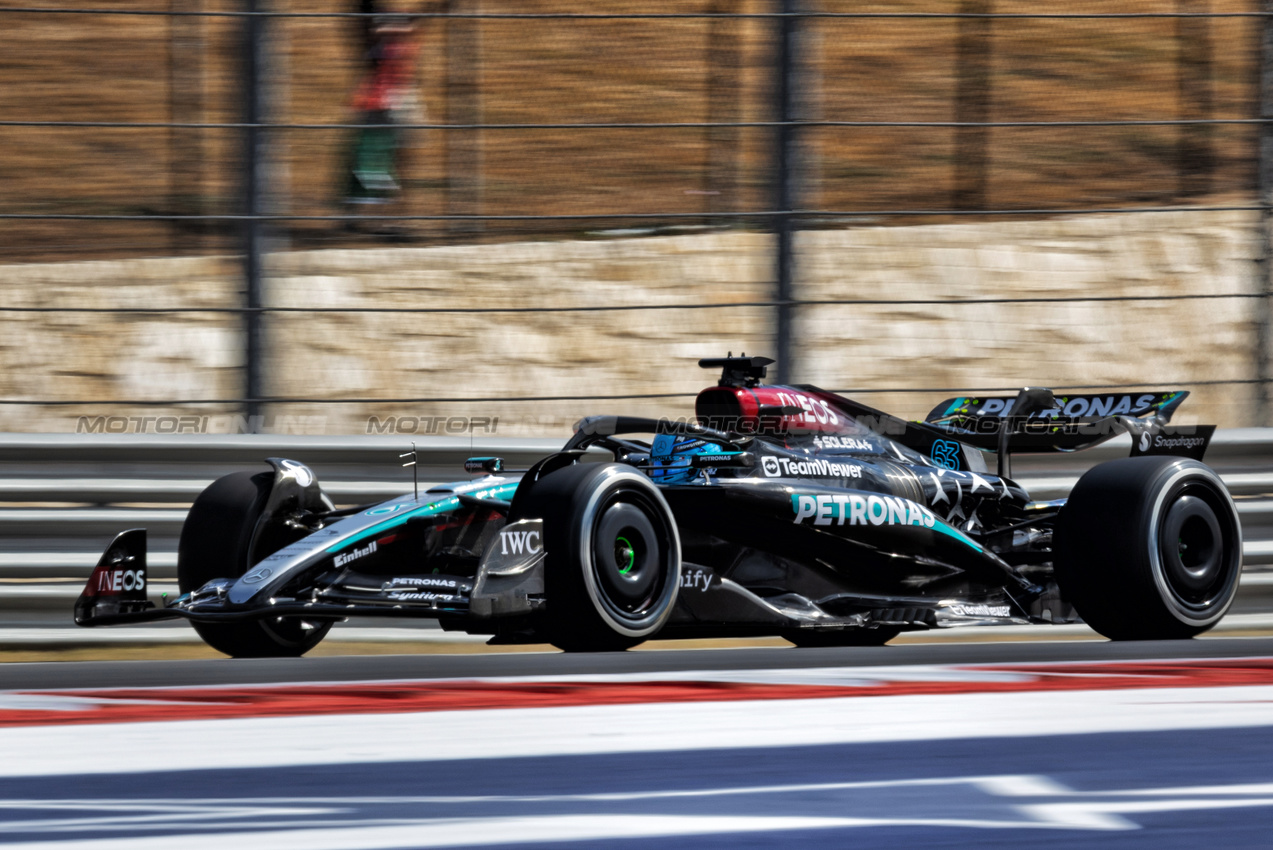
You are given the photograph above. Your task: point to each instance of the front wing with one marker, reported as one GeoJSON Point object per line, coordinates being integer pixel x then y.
{"type": "Point", "coordinates": [508, 583]}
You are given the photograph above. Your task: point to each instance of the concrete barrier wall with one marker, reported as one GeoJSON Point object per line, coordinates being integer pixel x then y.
{"type": "Point", "coordinates": [1168, 343]}
{"type": "Point", "coordinates": [461, 355]}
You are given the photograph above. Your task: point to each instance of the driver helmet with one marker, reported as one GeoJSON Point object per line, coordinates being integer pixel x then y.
{"type": "Point", "coordinates": [670, 458]}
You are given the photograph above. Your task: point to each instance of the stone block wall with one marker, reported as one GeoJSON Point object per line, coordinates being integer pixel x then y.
{"type": "Point", "coordinates": [396, 359]}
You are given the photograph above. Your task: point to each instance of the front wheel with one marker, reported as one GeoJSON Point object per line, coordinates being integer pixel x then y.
{"type": "Point", "coordinates": [1149, 548]}
{"type": "Point", "coordinates": [613, 557]}
{"type": "Point", "coordinates": [217, 541]}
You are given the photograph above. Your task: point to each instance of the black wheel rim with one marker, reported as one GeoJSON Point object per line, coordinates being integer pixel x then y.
{"type": "Point", "coordinates": [1197, 549]}
{"type": "Point", "coordinates": [630, 548]}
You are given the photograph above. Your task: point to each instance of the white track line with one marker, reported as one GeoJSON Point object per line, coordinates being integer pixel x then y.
{"type": "Point", "coordinates": [585, 730]}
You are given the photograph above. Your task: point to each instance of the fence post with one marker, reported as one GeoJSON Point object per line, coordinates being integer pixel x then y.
{"type": "Point", "coordinates": [254, 189]}
{"type": "Point", "coordinates": [1264, 187]}
{"type": "Point", "coordinates": [972, 105]}
{"type": "Point", "coordinates": [463, 106]}
{"type": "Point", "coordinates": [723, 107]}
{"type": "Point", "coordinates": [185, 106]}
{"type": "Point", "coordinates": [785, 182]}
{"type": "Point", "coordinates": [1193, 83]}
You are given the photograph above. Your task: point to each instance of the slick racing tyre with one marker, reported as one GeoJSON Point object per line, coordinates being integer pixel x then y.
{"type": "Point", "coordinates": [1149, 548]}
{"type": "Point", "coordinates": [841, 637]}
{"type": "Point", "coordinates": [613, 557]}
{"type": "Point", "coordinates": [215, 542]}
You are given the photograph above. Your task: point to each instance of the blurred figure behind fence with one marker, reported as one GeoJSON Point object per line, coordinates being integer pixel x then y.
{"type": "Point", "coordinates": [385, 100]}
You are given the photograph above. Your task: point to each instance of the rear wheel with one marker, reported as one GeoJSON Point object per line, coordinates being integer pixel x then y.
{"type": "Point", "coordinates": [613, 564]}
{"type": "Point", "coordinates": [1149, 548]}
{"type": "Point", "coordinates": [216, 542]}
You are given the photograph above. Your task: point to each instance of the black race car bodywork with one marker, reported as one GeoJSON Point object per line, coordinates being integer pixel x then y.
{"type": "Point", "coordinates": [779, 510]}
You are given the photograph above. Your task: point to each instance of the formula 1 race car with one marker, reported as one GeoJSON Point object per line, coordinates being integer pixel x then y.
{"type": "Point", "coordinates": [780, 510]}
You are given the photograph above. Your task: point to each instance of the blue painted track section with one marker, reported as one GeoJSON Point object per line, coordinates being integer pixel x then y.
{"type": "Point", "coordinates": [1189, 784]}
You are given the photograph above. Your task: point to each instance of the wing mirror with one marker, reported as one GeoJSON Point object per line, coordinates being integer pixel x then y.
{"type": "Point", "coordinates": [489, 465]}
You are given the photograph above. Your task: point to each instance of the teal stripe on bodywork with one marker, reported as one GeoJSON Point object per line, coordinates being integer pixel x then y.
{"type": "Point", "coordinates": [951, 531]}
{"type": "Point", "coordinates": [441, 506]}
{"type": "Point", "coordinates": [954, 405]}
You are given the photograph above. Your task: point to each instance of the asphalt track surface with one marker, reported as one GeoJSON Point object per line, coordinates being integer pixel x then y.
{"type": "Point", "coordinates": [105, 674]}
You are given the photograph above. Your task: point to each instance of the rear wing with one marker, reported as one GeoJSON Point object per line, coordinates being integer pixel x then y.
{"type": "Point", "coordinates": [1066, 408]}
{"type": "Point", "coordinates": [1037, 420]}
